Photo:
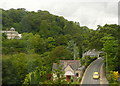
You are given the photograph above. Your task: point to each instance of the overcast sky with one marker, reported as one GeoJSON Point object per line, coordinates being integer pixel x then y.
{"type": "Point", "coordinates": [88, 13]}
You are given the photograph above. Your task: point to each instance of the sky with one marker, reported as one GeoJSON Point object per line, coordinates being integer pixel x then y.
{"type": "Point", "coordinates": [88, 13]}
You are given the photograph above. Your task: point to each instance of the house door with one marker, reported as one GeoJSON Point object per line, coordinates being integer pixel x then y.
{"type": "Point", "coordinates": [68, 78]}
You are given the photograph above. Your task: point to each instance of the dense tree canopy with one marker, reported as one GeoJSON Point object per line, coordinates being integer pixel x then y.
{"type": "Point", "coordinates": [47, 38]}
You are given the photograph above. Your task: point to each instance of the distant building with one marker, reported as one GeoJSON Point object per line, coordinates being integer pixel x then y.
{"type": "Point", "coordinates": [12, 34]}
{"type": "Point", "coordinates": [92, 53]}
{"type": "Point", "coordinates": [70, 68]}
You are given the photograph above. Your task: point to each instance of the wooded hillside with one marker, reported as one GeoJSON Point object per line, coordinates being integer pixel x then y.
{"type": "Point", "coordinates": [47, 38]}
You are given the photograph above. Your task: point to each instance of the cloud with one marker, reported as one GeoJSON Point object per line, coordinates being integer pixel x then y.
{"type": "Point", "coordinates": [87, 12]}
{"type": "Point", "coordinates": [92, 14]}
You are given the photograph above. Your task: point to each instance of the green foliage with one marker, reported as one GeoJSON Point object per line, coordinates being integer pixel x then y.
{"type": "Point", "coordinates": [110, 47]}
{"type": "Point", "coordinates": [62, 39]}
{"type": "Point", "coordinates": [36, 43]}
{"type": "Point", "coordinates": [12, 17]}
{"type": "Point", "coordinates": [19, 65]}
{"type": "Point", "coordinates": [50, 43]}
{"type": "Point", "coordinates": [112, 79]}
{"type": "Point", "coordinates": [110, 44]}
{"type": "Point", "coordinates": [4, 36]}
{"type": "Point", "coordinates": [87, 60]}
{"type": "Point", "coordinates": [47, 38]}
{"type": "Point", "coordinates": [60, 53]}
{"type": "Point", "coordinates": [36, 77]}
{"type": "Point", "coordinates": [58, 75]}
{"type": "Point", "coordinates": [13, 46]}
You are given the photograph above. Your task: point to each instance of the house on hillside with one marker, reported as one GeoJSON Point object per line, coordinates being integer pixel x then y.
{"type": "Point", "coordinates": [12, 34]}
{"type": "Point", "coordinates": [71, 69]}
{"type": "Point", "coordinates": [92, 53]}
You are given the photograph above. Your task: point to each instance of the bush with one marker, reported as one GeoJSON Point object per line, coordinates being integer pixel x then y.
{"type": "Point", "coordinates": [113, 77]}
{"type": "Point", "coordinates": [87, 60]}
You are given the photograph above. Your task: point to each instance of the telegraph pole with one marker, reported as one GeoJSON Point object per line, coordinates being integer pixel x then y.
{"type": "Point", "coordinates": [106, 64]}
{"type": "Point", "coordinates": [74, 51]}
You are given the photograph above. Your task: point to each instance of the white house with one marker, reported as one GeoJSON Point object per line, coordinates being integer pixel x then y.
{"type": "Point", "coordinates": [12, 34]}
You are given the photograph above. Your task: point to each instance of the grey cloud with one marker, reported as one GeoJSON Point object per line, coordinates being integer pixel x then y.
{"type": "Point", "coordinates": [87, 13]}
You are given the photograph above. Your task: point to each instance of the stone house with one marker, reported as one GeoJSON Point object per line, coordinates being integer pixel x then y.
{"type": "Point", "coordinates": [71, 69]}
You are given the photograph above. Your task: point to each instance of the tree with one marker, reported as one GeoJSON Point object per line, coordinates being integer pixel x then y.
{"type": "Point", "coordinates": [60, 53]}
{"type": "Point", "coordinates": [4, 36]}
{"type": "Point", "coordinates": [50, 43]}
{"type": "Point", "coordinates": [34, 43]}
{"type": "Point", "coordinates": [110, 44]}
{"type": "Point", "coordinates": [36, 77]}
{"type": "Point", "coordinates": [110, 47]}
{"type": "Point", "coordinates": [19, 65]}
{"type": "Point", "coordinates": [62, 40]}
{"type": "Point", "coordinates": [11, 46]}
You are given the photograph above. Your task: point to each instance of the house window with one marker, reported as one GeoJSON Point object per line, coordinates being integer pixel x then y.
{"type": "Point", "coordinates": [77, 74]}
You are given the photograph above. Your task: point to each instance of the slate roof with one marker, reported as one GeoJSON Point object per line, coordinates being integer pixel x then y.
{"type": "Point", "coordinates": [74, 64]}
{"type": "Point", "coordinates": [92, 52]}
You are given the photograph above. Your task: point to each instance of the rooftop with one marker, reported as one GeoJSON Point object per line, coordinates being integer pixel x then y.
{"type": "Point", "coordinates": [74, 64]}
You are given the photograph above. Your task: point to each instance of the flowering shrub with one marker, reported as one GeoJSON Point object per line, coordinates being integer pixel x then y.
{"type": "Point", "coordinates": [113, 77]}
